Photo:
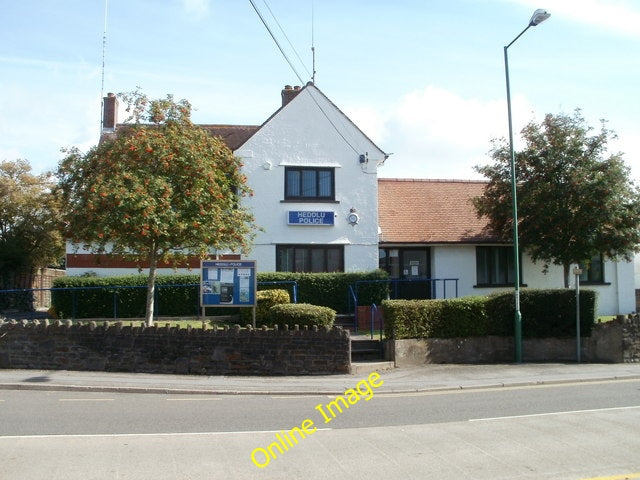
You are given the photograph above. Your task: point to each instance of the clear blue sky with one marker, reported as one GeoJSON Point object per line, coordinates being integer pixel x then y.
{"type": "Point", "coordinates": [423, 78]}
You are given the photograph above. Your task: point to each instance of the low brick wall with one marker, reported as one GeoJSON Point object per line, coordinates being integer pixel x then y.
{"type": "Point", "coordinates": [228, 351]}
{"type": "Point", "coordinates": [617, 341]}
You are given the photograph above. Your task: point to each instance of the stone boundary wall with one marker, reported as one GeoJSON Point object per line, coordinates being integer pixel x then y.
{"type": "Point", "coordinates": [227, 351]}
{"type": "Point", "coordinates": [631, 338]}
{"type": "Point", "coordinates": [617, 341]}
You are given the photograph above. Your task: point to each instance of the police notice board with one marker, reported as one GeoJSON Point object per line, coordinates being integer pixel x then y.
{"type": "Point", "coordinates": [228, 283]}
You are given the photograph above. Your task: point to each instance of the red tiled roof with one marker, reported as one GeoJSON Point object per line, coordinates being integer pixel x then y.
{"type": "Point", "coordinates": [430, 211]}
{"type": "Point", "coordinates": [234, 136]}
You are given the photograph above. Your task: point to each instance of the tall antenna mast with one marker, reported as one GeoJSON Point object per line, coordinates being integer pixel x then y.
{"type": "Point", "coordinates": [104, 49]}
{"type": "Point", "coordinates": [313, 44]}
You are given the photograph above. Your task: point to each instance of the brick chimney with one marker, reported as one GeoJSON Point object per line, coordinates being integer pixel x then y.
{"type": "Point", "coordinates": [289, 93]}
{"type": "Point", "coordinates": [109, 112]}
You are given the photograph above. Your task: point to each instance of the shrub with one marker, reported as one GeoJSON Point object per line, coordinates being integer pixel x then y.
{"type": "Point", "coordinates": [462, 317]}
{"type": "Point", "coordinates": [265, 299]}
{"type": "Point", "coordinates": [411, 318]}
{"type": "Point", "coordinates": [302, 314]}
{"type": "Point", "coordinates": [178, 295]}
{"type": "Point", "coordinates": [124, 297]}
{"type": "Point", "coordinates": [545, 313]}
{"type": "Point", "coordinates": [332, 289]}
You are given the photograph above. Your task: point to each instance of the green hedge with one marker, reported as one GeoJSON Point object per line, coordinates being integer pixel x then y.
{"type": "Point", "coordinates": [302, 314]}
{"type": "Point", "coordinates": [265, 299]}
{"type": "Point", "coordinates": [96, 299]}
{"type": "Point", "coordinates": [332, 289]}
{"type": "Point", "coordinates": [545, 313]}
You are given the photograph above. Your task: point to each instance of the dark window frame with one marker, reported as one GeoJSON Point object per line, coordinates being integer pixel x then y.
{"type": "Point", "coordinates": [311, 252]}
{"type": "Point", "coordinates": [494, 278]}
{"type": "Point", "coordinates": [590, 275]}
{"type": "Point", "coordinates": [317, 197]}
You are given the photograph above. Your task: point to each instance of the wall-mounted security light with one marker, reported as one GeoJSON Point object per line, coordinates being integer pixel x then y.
{"type": "Point", "coordinates": [364, 158]}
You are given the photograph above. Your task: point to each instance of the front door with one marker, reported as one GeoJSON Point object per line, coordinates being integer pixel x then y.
{"type": "Point", "coordinates": [415, 274]}
{"type": "Point", "coordinates": [410, 270]}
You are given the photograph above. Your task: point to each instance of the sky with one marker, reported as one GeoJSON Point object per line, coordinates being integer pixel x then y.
{"type": "Point", "coordinates": [424, 79]}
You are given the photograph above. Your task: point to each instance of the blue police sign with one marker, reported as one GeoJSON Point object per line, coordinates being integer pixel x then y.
{"type": "Point", "coordinates": [305, 217]}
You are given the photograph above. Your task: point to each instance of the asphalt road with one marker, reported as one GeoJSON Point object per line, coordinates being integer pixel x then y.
{"type": "Point", "coordinates": [572, 431]}
{"type": "Point", "coordinates": [80, 413]}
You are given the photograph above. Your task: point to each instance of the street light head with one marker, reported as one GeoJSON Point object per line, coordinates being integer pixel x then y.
{"type": "Point", "coordinates": [539, 16]}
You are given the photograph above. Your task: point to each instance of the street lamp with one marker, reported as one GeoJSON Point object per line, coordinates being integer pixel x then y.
{"type": "Point", "coordinates": [538, 17]}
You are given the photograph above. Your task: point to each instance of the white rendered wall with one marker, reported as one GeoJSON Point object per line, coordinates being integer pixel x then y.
{"type": "Point", "coordinates": [303, 133]}
{"type": "Point", "coordinates": [616, 296]}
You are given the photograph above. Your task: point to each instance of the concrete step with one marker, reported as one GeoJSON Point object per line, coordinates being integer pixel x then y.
{"type": "Point", "coordinates": [363, 368]}
{"type": "Point", "coordinates": [366, 349]}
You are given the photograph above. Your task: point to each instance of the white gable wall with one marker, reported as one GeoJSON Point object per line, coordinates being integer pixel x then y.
{"type": "Point", "coordinates": [303, 133]}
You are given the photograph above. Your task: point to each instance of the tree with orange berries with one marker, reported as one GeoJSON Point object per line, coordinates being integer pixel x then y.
{"type": "Point", "coordinates": [161, 190]}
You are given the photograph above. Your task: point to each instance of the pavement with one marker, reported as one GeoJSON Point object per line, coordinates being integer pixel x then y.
{"type": "Point", "coordinates": [396, 380]}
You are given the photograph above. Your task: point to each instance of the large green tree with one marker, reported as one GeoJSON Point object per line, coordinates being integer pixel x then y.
{"type": "Point", "coordinates": [29, 237]}
{"type": "Point", "coordinates": [160, 190]}
{"type": "Point", "coordinates": [575, 198]}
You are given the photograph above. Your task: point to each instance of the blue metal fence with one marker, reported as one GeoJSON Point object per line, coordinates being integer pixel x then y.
{"type": "Point", "coordinates": [25, 308]}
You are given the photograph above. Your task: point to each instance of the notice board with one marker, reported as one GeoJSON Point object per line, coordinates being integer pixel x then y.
{"type": "Point", "coordinates": [228, 283]}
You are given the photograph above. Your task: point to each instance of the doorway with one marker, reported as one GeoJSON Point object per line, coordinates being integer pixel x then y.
{"type": "Point", "coordinates": [411, 267]}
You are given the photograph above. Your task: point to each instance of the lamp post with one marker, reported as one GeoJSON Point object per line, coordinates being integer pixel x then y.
{"type": "Point", "coordinates": [577, 271]}
{"type": "Point", "coordinates": [538, 17]}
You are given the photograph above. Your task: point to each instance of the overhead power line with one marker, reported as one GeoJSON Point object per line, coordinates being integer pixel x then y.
{"type": "Point", "coordinates": [276, 41]}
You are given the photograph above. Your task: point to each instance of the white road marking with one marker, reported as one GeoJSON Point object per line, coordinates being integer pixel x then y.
{"type": "Point", "coordinates": [86, 399]}
{"type": "Point", "coordinates": [125, 435]}
{"type": "Point", "coordinates": [193, 399]}
{"type": "Point", "coordinates": [553, 413]}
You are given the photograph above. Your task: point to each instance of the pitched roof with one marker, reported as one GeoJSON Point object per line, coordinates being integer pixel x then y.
{"type": "Point", "coordinates": [234, 136]}
{"type": "Point", "coordinates": [430, 211]}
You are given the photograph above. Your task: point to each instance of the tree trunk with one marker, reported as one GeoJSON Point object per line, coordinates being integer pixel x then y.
{"type": "Point", "coordinates": [151, 288]}
{"type": "Point", "coordinates": [567, 269]}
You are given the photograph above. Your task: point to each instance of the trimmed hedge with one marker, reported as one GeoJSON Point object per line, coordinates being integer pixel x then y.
{"type": "Point", "coordinates": [265, 299]}
{"type": "Point", "coordinates": [100, 296]}
{"type": "Point", "coordinates": [332, 289]}
{"type": "Point", "coordinates": [302, 314]}
{"type": "Point", "coordinates": [127, 295]}
{"type": "Point", "coordinates": [545, 313]}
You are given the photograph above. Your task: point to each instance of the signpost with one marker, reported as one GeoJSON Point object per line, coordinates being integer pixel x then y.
{"type": "Point", "coordinates": [228, 283]}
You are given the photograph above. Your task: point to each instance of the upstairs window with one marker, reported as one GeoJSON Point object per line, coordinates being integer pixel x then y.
{"type": "Point", "coordinates": [309, 183]}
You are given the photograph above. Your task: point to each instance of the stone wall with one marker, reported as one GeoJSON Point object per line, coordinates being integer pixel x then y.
{"type": "Point", "coordinates": [611, 342]}
{"type": "Point", "coordinates": [631, 338]}
{"type": "Point", "coordinates": [228, 351]}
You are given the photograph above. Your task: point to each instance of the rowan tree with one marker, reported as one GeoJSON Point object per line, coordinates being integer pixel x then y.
{"type": "Point", "coordinates": [575, 198]}
{"type": "Point", "coordinates": [29, 237]}
{"type": "Point", "coordinates": [159, 190]}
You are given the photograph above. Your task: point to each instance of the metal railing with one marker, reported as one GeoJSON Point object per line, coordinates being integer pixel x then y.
{"type": "Point", "coordinates": [394, 290]}
{"type": "Point", "coordinates": [27, 311]}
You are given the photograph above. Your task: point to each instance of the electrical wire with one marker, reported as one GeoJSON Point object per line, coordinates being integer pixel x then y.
{"type": "Point", "coordinates": [287, 38]}
{"type": "Point", "coordinates": [276, 41]}
{"type": "Point", "coordinates": [335, 127]}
